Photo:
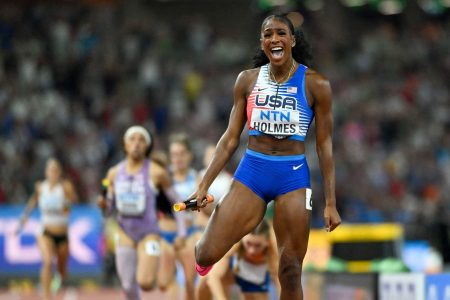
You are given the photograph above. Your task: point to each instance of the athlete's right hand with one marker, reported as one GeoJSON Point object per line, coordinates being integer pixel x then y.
{"type": "Point", "coordinates": [332, 218]}
{"type": "Point", "coordinates": [200, 196]}
{"type": "Point", "coordinates": [101, 202]}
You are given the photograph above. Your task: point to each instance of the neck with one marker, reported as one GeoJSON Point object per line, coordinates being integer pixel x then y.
{"type": "Point", "coordinates": [181, 174]}
{"type": "Point", "coordinates": [53, 182]}
{"type": "Point", "coordinates": [283, 72]}
{"type": "Point", "coordinates": [134, 165]}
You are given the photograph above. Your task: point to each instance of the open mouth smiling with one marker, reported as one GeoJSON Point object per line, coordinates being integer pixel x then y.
{"type": "Point", "coordinates": [277, 52]}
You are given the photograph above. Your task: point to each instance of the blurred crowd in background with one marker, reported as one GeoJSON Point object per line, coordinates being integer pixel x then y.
{"type": "Point", "coordinates": [72, 78]}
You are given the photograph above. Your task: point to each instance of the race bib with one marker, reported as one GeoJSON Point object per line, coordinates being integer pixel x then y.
{"type": "Point", "coordinates": [281, 123]}
{"type": "Point", "coordinates": [308, 199]}
{"type": "Point", "coordinates": [130, 198]}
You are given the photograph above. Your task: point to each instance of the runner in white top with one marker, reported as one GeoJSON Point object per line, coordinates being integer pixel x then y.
{"type": "Point", "coordinates": [54, 195]}
{"type": "Point", "coordinates": [185, 180]}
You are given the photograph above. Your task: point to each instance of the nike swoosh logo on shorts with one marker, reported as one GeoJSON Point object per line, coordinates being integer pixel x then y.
{"type": "Point", "coordinates": [297, 167]}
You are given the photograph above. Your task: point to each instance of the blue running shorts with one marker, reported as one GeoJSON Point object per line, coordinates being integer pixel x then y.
{"type": "Point", "coordinates": [269, 176]}
{"type": "Point", "coordinates": [168, 236]}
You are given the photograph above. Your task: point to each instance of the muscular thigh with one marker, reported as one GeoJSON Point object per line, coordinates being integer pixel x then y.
{"type": "Point", "coordinates": [186, 254]}
{"type": "Point", "coordinates": [256, 296]}
{"type": "Point", "coordinates": [47, 247]}
{"type": "Point", "coordinates": [166, 264]}
{"type": "Point", "coordinates": [292, 221]}
{"type": "Point", "coordinates": [148, 250]}
{"type": "Point", "coordinates": [122, 239]}
{"type": "Point", "coordinates": [237, 214]}
{"type": "Point", "coordinates": [63, 251]}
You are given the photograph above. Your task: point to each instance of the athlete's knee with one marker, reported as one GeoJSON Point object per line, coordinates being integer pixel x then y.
{"type": "Point", "coordinates": [164, 283]}
{"type": "Point", "coordinates": [127, 286]}
{"type": "Point", "coordinates": [166, 280]}
{"type": "Point", "coordinates": [203, 255]}
{"type": "Point", "coordinates": [290, 271]}
{"type": "Point", "coordinates": [147, 287]}
{"type": "Point", "coordinates": [47, 263]}
{"type": "Point", "coordinates": [147, 284]}
{"type": "Point", "coordinates": [163, 286]}
{"type": "Point", "coordinates": [189, 282]}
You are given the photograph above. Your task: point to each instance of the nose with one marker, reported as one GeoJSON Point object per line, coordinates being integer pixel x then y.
{"type": "Point", "coordinates": [274, 38]}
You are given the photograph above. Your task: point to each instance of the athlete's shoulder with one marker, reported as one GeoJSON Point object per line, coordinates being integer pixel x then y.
{"type": "Point", "coordinates": [112, 172]}
{"type": "Point", "coordinates": [245, 81]}
{"type": "Point", "coordinates": [318, 86]}
{"type": "Point", "coordinates": [159, 174]}
{"type": "Point", "coordinates": [39, 183]}
{"type": "Point", "coordinates": [66, 183]}
{"type": "Point", "coordinates": [316, 80]}
{"type": "Point", "coordinates": [38, 186]}
{"type": "Point", "coordinates": [247, 76]}
{"type": "Point", "coordinates": [249, 72]}
{"type": "Point", "coordinates": [157, 168]}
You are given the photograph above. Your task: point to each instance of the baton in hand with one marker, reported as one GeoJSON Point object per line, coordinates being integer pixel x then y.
{"type": "Point", "coordinates": [191, 204]}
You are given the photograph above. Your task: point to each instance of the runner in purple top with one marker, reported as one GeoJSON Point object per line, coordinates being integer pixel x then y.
{"type": "Point", "coordinates": [133, 184]}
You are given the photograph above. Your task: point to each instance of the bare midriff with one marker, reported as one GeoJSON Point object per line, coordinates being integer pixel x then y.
{"type": "Point", "coordinates": [56, 229]}
{"type": "Point", "coordinates": [273, 146]}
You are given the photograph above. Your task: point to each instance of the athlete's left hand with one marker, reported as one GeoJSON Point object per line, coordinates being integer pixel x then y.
{"type": "Point", "coordinates": [332, 218]}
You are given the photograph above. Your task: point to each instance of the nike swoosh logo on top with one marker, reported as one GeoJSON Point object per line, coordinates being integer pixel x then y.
{"type": "Point", "coordinates": [262, 89]}
{"type": "Point", "coordinates": [297, 167]}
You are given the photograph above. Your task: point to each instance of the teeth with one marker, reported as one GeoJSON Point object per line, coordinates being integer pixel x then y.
{"type": "Point", "coordinates": [277, 49]}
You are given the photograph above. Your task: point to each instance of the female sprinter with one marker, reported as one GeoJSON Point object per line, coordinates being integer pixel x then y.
{"type": "Point", "coordinates": [131, 194]}
{"type": "Point", "coordinates": [169, 224]}
{"type": "Point", "coordinates": [251, 264]}
{"type": "Point", "coordinates": [278, 99]}
{"type": "Point", "coordinates": [54, 196]}
{"type": "Point", "coordinates": [185, 180]}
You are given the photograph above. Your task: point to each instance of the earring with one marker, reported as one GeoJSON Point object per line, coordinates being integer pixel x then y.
{"type": "Point", "coordinates": [293, 44]}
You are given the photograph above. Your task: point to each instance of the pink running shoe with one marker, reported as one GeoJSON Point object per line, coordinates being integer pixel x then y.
{"type": "Point", "coordinates": [202, 271]}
